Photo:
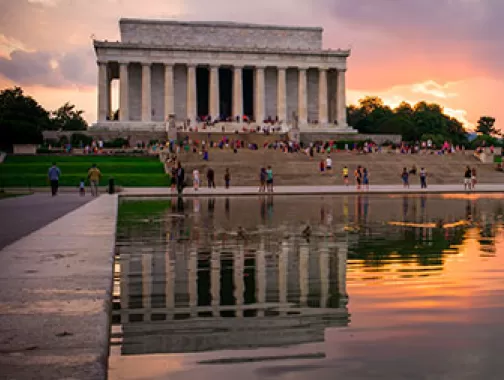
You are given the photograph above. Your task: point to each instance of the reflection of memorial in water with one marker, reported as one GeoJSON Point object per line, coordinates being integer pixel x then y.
{"type": "Point", "coordinates": [227, 291]}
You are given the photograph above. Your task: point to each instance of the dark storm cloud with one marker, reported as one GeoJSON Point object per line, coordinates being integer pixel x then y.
{"type": "Point", "coordinates": [49, 69]}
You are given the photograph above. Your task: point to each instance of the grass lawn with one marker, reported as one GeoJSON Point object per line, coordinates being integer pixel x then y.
{"type": "Point", "coordinates": [31, 171]}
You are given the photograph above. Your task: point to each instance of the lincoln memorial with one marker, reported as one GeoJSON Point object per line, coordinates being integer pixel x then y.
{"type": "Point", "coordinates": [220, 71]}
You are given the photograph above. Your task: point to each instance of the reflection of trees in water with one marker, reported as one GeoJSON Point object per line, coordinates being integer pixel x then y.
{"type": "Point", "coordinates": [426, 247]}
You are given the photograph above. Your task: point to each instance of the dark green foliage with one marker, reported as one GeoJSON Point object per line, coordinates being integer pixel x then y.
{"type": "Point", "coordinates": [413, 123]}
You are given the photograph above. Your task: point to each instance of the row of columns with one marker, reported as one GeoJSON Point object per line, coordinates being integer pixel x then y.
{"type": "Point", "coordinates": [259, 93]}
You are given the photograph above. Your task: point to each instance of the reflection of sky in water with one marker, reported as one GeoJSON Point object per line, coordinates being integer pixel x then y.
{"type": "Point", "coordinates": [379, 286]}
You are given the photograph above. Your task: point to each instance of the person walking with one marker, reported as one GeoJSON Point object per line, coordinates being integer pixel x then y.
{"type": "Point", "coordinates": [405, 178]}
{"type": "Point", "coordinates": [269, 179]}
{"type": "Point", "coordinates": [180, 178]}
{"type": "Point", "coordinates": [210, 175]}
{"type": "Point", "coordinates": [196, 179]}
{"type": "Point", "coordinates": [345, 175]}
{"type": "Point", "coordinates": [262, 180]}
{"type": "Point", "coordinates": [54, 175]}
{"type": "Point", "coordinates": [467, 178]}
{"type": "Point", "coordinates": [227, 178]}
{"type": "Point", "coordinates": [423, 178]}
{"type": "Point", "coordinates": [358, 177]}
{"type": "Point", "coordinates": [329, 163]}
{"type": "Point", "coordinates": [365, 178]}
{"type": "Point", "coordinates": [94, 176]}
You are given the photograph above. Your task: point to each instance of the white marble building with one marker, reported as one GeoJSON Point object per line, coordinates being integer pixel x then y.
{"type": "Point", "coordinates": [225, 70]}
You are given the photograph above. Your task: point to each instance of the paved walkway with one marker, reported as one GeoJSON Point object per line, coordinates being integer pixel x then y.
{"type": "Point", "coordinates": [56, 297]}
{"type": "Point", "coordinates": [309, 190]}
{"type": "Point", "coordinates": [21, 215]}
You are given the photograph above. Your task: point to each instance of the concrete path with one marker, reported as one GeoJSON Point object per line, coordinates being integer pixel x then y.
{"type": "Point", "coordinates": [312, 190]}
{"type": "Point", "coordinates": [21, 215]}
{"type": "Point", "coordinates": [56, 297]}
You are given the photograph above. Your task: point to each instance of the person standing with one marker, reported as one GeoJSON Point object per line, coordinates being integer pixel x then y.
{"type": "Point", "coordinates": [473, 178]}
{"type": "Point", "coordinates": [196, 179]}
{"type": "Point", "coordinates": [210, 178]}
{"type": "Point", "coordinates": [345, 175]}
{"type": "Point", "coordinates": [358, 177]}
{"type": "Point", "coordinates": [180, 178]}
{"type": "Point", "coordinates": [423, 178]}
{"type": "Point", "coordinates": [227, 178]}
{"type": "Point", "coordinates": [405, 178]}
{"type": "Point", "coordinates": [365, 178]}
{"type": "Point", "coordinates": [54, 175]}
{"type": "Point", "coordinates": [269, 179]}
{"type": "Point", "coordinates": [262, 180]}
{"type": "Point", "coordinates": [94, 176]}
{"type": "Point", "coordinates": [328, 163]}
{"type": "Point", "coordinates": [173, 177]}
{"type": "Point", "coordinates": [467, 178]}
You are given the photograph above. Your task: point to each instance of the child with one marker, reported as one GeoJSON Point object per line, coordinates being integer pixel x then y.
{"type": "Point", "coordinates": [82, 188]}
{"type": "Point", "coordinates": [227, 178]}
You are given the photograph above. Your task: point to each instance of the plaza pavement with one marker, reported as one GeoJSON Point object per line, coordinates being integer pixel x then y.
{"type": "Point", "coordinates": [56, 296]}
{"type": "Point", "coordinates": [311, 190]}
{"type": "Point", "coordinates": [21, 215]}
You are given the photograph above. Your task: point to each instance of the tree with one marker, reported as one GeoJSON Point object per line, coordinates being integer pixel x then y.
{"type": "Point", "coordinates": [67, 118]}
{"type": "Point", "coordinates": [22, 119]}
{"type": "Point", "coordinates": [486, 125]}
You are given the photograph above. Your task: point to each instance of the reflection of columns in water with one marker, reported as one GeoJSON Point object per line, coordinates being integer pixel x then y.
{"type": "Point", "coordinates": [342, 268]}
{"type": "Point", "coordinates": [169, 280]}
{"type": "Point", "coordinates": [146, 279]}
{"type": "Point", "coordinates": [125, 270]}
{"type": "Point", "coordinates": [261, 275]}
{"type": "Point", "coordinates": [324, 274]}
{"type": "Point", "coordinates": [192, 267]}
{"type": "Point", "coordinates": [303, 273]}
{"type": "Point", "coordinates": [238, 262]}
{"type": "Point", "coordinates": [282, 272]}
{"type": "Point", "coordinates": [215, 266]}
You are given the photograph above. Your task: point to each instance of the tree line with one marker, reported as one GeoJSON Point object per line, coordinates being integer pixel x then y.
{"type": "Point", "coordinates": [23, 119]}
{"type": "Point", "coordinates": [421, 122]}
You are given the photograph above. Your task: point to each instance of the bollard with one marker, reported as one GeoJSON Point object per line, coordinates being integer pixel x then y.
{"type": "Point", "coordinates": [111, 186]}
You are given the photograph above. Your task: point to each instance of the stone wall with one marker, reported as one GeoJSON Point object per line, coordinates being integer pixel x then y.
{"type": "Point", "coordinates": [220, 34]}
{"type": "Point", "coordinates": [308, 137]}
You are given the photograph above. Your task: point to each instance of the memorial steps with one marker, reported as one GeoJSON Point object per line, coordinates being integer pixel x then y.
{"type": "Point", "coordinates": [299, 169]}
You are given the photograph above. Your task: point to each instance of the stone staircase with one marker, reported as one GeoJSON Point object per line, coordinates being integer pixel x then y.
{"type": "Point", "coordinates": [299, 169]}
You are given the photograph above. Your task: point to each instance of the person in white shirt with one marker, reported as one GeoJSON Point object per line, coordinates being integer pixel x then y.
{"type": "Point", "coordinates": [196, 179]}
{"type": "Point", "coordinates": [328, 163]}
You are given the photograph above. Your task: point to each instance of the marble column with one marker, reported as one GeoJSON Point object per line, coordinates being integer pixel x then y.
{"type": "Point", "coordinates": [102, 91]}
{"type": "Point", "coordinates": [237, 93]}
{"type": "Point", "coordinates": [322, 96]}
{"type": "Point", "coordinates": [169, 95]}
{"type": "Point", "coordinates": [191, 93]}
{"type": "Point", "coordinates": [123, 92]}
{"type": "Point", "coordinates": [259, 95]}
{"type": "Point", "coordinates": [302, 97]}
{"type": "Point", "coordinates": [146, 92]}
{"type": "Point", "coordinates": [214, 96]}
{"type": "Point", "coordinates": [341, 99]}
{"type": "Point", "coordinates": [282, 94]}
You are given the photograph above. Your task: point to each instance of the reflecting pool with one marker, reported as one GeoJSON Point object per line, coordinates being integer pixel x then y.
{"type": "Point", "coordinates": [354, 287]}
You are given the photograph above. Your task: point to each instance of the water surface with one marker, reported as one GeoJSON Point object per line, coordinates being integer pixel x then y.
{"type": "Point", "coordinates": [355, 287]}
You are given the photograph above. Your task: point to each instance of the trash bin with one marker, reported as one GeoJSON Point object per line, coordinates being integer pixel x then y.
{"type": "Point", "coordinates": [111, 186]}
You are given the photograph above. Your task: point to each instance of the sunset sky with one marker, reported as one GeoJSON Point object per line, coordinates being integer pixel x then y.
{"type": "Point", "coordinates": [444, 51]}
